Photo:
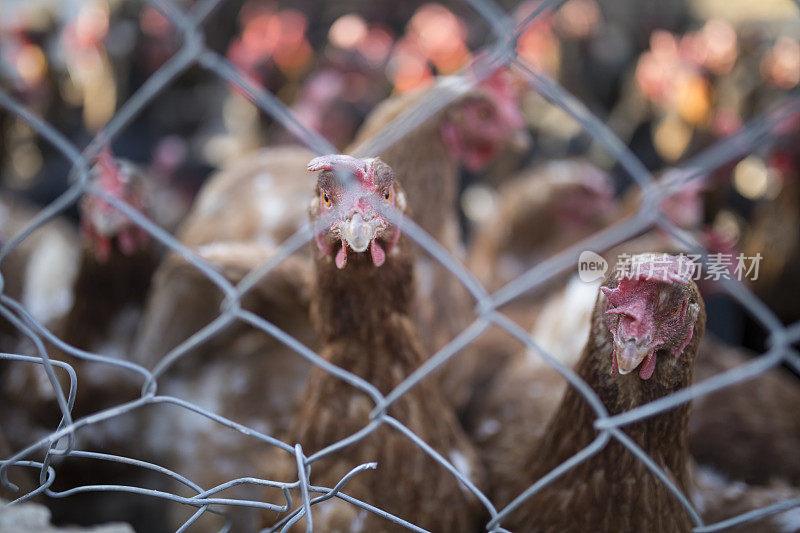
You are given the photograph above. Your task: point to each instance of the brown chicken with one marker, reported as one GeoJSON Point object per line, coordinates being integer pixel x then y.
{"type": "Point", "coordinates": [361, 304]}
{"type": "Point", "coordinates": [648, 318]}
{"type": "Point", "coordinates": [239, 218]}
{"type": "Point", "coordinates": [242, 373]}
{"type": "Point", "coordinates": [81, 299]}
{"type": "Point", "coordinates": [116, 268]}
{"type": "Point", "coordinates": [525, 395]}
{"type": "Point", "coordinates": [87, 288]}
{"type": "Point", "coordinates": [766, 445]}
{"type": "Point", "coordinates": [99, 289]}
{"type": "Point", "coordinates": [734, 414]}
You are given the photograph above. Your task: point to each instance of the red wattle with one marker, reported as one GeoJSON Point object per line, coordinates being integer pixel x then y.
{"type": "Point", "coordinates": [378, 255]}
{"type": "Point", "coordinates": [648, 366]}
{"type": "Point", "coordinates": [127, 241]}
{"type": "Point", "coordinates": [322, 244]}
{"type": "Point", "coordinates": [103, 248]}
{"type": "Point", "coordinates": [341, 257]}
{"type": "Point", "coordinates": [393, 240]}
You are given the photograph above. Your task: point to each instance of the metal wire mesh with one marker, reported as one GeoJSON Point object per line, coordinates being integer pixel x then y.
{"type": "Point", "coordinates": [502, 52]}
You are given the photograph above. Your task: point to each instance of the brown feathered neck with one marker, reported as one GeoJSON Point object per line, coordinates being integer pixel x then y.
{"type": "Point", "coordinates": [663, 437]}
{"type": "Point", "coordinates": [361, 314]}
{"type": "Point", "coordinates": [103, 288]}
{"type": "Point", "coordinates": [355, 301]}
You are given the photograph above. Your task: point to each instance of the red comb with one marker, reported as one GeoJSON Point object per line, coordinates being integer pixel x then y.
{"type": "Point", "coordinates": [663, 268]}
{"type": "Point", "coordinates": [362, 169]}
{"type": "Point", "coordinates": [111, 179]}
{"type": "Point", "coordinates": [501, 87]}
{"type": "Point", "coordinates": [106, 159]}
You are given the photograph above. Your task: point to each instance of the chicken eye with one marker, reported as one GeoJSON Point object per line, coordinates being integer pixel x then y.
{"type": "Point", "coordinates": [676, 312]}
{"type": "Point", "coordinates": [387, 195]}
{"type": "Point", "coordinates": [326, 200]}
{"type": "Point", "coordinates": [484, 113]}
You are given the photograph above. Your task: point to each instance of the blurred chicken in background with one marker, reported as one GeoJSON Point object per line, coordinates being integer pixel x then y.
{"type": "Point", "coordinates": [85, 285]}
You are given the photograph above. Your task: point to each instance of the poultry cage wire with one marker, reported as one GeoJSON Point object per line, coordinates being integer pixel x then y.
{"type": "Point", "coordinates": [501, 53]}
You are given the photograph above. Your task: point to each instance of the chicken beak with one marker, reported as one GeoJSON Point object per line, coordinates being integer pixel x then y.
{"type": "Point", "coordinates": [358, 233]}
{"type": "Point", "coordinates": [629, 355]}
{"type": "Point", "coordinates": [633, 337]}
{"type": "Point", "coordinates": [106, 222]}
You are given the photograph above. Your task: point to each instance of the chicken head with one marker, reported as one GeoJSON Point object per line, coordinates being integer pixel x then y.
{"type": "Point", "coordinates": [348, 210]}
{"type": "Point", "coordinates": [102, 224]}
{"type": "Point", "coordinates": [651, 309]}
{"type": "Point", "coordinates": [683, 205]}
{"type": "Point", "coordinates": [583, 195]}
{"type": "Point", "coordinates": [478, 128]}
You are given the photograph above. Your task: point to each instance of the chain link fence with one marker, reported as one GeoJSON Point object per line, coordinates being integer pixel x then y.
{"type": "Point", "coordinates": [501, 53]}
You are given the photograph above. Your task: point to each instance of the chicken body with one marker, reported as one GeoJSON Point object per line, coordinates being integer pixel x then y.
{"type": "Point", "coordinates": [238, 221]}
{"type": "Point", "coordinates": [27, 278]}
{"type": "Point", "coordinates": [87, 288]}
{"type": "Point", "coordinates": [377, 341]}
{"type": "Point", "coordinates": [361, 311]}
{"type": "Point", "coordinates": [612, 490]}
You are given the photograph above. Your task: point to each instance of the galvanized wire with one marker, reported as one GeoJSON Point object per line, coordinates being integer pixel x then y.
{"type": "Point", "coordinates": [500, 53]}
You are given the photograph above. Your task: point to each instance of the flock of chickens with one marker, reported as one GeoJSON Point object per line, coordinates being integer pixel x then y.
{"type": "Point", "coordinates": [370, 301]}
